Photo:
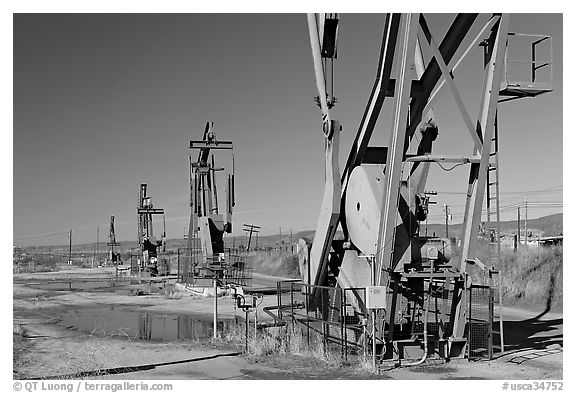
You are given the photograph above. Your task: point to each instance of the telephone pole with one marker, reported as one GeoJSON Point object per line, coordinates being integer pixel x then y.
{"type": "Point", "coordinates": [250, 229]}
{"type": "Point", "coordinates": [518, 236]}
{"type": "Point", "coordinates": [525, 220]}
{"type": "Point", "coordinates": [446, 210]}
{"type": "Point", "coordinates": [70, 249]}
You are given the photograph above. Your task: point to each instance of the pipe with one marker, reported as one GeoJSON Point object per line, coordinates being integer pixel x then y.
{"type": "Point", "coordinates": [425, 355]}
{"type": "Point", "coordinates": [277, 321]}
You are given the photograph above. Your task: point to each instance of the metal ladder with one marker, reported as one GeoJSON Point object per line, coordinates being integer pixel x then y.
{"type": "Point", "coordinates": [493, 218]}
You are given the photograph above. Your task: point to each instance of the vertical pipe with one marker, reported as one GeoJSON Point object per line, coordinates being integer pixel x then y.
{"type": "Point", "coordinates": [178, 276]}
{"type": "Point", "coordinates": [216, 308]}
{"type": "Point", "coordinates": [490, 318]}
{"type": "Point", "coordinates": [374, 339]}
{"type": "Point", "coordinates": [292, 305]}
{"type": "Point", "coordinates": [306, 300]}
{"type": "Point", "coordinates": [246, 330]}
{"type": "Point", "coordinates": [279, 295]}
{"type": "Point", "coordinates": [345, 327]}
{"type": "Point", "coordinates": [322, 319]}
{"type": "Point", "coordinates": [340, 292]}
{"type": "Point", "coordinates": [469, 319]}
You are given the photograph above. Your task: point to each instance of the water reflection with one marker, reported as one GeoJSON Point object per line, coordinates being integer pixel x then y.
{"type": "Point", "coordinates": [112, 321]}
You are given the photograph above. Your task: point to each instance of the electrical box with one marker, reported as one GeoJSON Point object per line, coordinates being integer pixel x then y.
{"type": "Point", "coordinates": [375, 297]}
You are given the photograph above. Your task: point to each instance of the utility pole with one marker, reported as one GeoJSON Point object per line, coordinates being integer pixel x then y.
{"type": "Point", "coordinates": [525, 220]}
{"type": "Point", "coordinates": [446, 209]}
{"type": "Point", "coordinates": [97, 242]}
{"type": "Point", "coordinates": [70, 249]}
{"type": "Point", "coordinates": [518, 236]}
{"type": "Point", "coordinates": [250, 229]}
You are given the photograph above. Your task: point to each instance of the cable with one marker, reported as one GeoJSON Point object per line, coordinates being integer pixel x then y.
{"type": "Point", "coordinates": [449, 169]}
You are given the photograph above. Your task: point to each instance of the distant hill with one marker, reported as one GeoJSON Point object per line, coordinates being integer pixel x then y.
{"type": "Point", "coordinates": [551, 225]}
{"type": "Point", "coordinates": [547, 226]}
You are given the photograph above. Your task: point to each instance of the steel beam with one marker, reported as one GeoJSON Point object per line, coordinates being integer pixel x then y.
{"type": "Point", "coordinates": [448, 78]}
{"type": "Point", "coordinates": [407, 45]}
{"type": "Point", "coordinates": [377, 96]}
{"type": "Point", "coordinates": [453, 67]}
{"type": "Point", "coordinates": [220, 145]}
{"type": "Point", "coordinates": [477, 178]}
{"type": "Point", "coordinates": [448, 47]}
{"type": "Point", "coordinates": [144, 210]}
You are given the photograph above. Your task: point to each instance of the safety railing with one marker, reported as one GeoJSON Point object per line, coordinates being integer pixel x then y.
{"type": "Point", "coordinates": [198, 270]}
{"type": "Point", "coordinates": [325, 312]}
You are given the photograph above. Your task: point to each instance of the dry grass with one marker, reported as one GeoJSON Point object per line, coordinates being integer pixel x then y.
{"type": "Point", "coordinates": [285, 340]}
{"type": "Point", "coordinates": [276, 263]}
{"type": "Point", "coordinates": [530, 276]}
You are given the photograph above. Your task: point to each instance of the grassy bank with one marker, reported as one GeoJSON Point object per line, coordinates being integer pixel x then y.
{"type": "Point", "coordinates": [531, 277]}
{"type": "Point", "coordinates": [276, 263]}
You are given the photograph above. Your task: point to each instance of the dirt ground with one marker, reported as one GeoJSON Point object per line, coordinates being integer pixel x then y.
{"type": "Point", "coordinates": [45, 348]}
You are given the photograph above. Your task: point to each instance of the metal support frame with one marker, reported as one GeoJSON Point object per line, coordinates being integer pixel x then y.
{"type": "Point", "coordinates": [395, 149]}
{"type": "Point", "coordinates": [412, 103]}
{"type": "Point", "coordinates": [485, 129]}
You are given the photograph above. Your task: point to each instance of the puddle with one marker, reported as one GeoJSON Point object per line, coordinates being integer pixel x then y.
{"type": "Point", "coordinates": [119, 322]}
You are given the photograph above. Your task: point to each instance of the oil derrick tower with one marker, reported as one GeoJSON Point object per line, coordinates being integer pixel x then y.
{"type": "Point", "coordinates": [148, 247]}
{"type": "Point", "coordinates": [206, 220]}
{"type": "Point", "coordinates": [114, 257]}
{"type": "Point", "coordinates": [379, 198]}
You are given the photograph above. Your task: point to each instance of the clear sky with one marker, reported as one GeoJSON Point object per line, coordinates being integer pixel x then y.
{"type": "Point", "coordinates": [104, 102]}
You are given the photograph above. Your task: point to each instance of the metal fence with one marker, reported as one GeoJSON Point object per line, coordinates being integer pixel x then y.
{"type": "Point", "coordinates": [195, 269]}
{"type": "Point", "coordinates": [325, 312]}
{"type": "Point", "coordinates": [339, 317]}
{"type": "Point", "coordinates": [480, 316]}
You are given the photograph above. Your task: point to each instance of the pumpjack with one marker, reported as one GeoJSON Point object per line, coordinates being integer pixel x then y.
{"type": "Point", "coordinates": [207, 223]}
{"type": "Point", "coordinates": [150, 249]}
{"type": "Point", "coordinates": [115, 257]}
{"type": "Point", "coordinates": [378, 199]}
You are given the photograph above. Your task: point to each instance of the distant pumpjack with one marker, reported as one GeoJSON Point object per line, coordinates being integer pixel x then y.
{"type": "Point", "coordinates": [114, 257]}
{"type": "Point", "coordinates": [205, 217]}
{"type": "Point", "coordinates": [147, 244]}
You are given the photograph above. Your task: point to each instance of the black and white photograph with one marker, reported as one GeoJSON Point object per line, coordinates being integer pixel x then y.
{"type": "Point", "coordinates": [257, 195]}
